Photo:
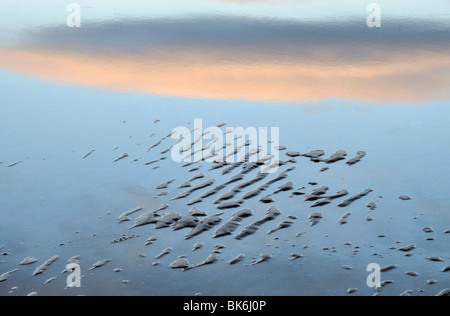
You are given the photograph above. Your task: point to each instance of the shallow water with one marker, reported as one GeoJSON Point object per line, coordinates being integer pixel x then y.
{"type": "Point", "coordinates": [55, 196]}
{"type": "Point", "coordinates": [55, 202]}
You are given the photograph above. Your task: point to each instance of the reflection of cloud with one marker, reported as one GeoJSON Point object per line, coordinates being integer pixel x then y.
{"type": "Point", "coordinates": [244, 59]}
{"type": "Point", "coordinates": [422, 80]}
{"type": "Point", "coordinates": [244, 39]}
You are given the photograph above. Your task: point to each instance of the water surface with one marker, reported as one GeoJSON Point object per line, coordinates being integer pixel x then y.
{"type": "Point", "coordinates": [325, 79]}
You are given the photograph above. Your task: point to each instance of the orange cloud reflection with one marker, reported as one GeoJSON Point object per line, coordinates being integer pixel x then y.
{"type": "Point", "coordinates": [418, 77]}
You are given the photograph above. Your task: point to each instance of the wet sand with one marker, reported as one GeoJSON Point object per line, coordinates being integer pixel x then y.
{"type": "Point", "coordinates": [287, 233]}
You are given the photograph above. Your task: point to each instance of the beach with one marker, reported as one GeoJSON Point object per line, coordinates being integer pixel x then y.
{"type": "Point", "coordinates": [337, 159]}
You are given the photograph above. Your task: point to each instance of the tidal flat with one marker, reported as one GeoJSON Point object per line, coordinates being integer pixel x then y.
{"type": "Point", "coordinates": [60, 203]}
{"type": "Point", "coordinates": [123, 168]}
